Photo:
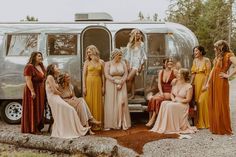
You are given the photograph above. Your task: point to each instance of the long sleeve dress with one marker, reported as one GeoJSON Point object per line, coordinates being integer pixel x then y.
{"type": "Point", "coordinates": [116, 111]}
{"type": "Point", "coordinates": [66, 121]}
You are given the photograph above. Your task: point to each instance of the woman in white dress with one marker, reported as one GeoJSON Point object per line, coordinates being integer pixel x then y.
{"type": "Point", "coordinates": [66, 121]}
{"type": "Point", "coordinates": [116, 111]}
{"type": "Point", "coordinates": [135, 57]}
{"type": "Point", "coordinates": [173, 115]}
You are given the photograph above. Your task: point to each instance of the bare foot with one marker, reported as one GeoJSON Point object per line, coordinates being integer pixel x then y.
{"type": "Point", "coordinates": [91, 132]}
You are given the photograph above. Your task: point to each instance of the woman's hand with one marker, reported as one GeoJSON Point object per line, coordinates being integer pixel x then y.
{"type": "Point", "coordinates": [223, 75]}
{"type": "Point", "coordinates": [204, 88]}
{"type": "Point", "coordinates": [33, 95]}
{"type": "Point", "coordinates": [84, 91]}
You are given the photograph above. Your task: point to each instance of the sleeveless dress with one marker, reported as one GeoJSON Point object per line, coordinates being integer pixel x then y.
{"type": "Point", "coordinates": [173, 116]}
{"type": "Point", "coordinates": [218, 100]}
{"type": "Point", "coordinates": [116, 111]}
{"type": "Point", "coordinates": [78, 103]}
{"type": "Point", "coordinates": [94, 91]}
{"type": "Point", "coordinates": [66, 121]}
{"type": "Point", "coordinates": [154, 103]}
{"type": "Point", "coordinates": [201, 98]}
{"type": "Point", "coordinates": [33, 109]}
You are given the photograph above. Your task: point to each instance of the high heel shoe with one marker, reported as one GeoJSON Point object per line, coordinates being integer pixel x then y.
{"type": "Point", "coordinates": [94, 121]}
{"type": "Point", "coordinates": [150, 123]}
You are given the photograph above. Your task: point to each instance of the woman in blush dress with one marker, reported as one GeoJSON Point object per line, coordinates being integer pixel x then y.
{"type": "Point", "coordinates": [81, 107]}
{"type": "Point", "coordinates": [165, 78]}
{"type": "Point", "coordinates": [135, 57]}
{"type": "Point", "coordinates": [218, 88]}
{"type": "Point", "coordinates": [66, 121]}
{"type": "Point", "coordinates": [173, 115]}
{"type": "Point", "coordinates": [116, 111]}
{"type": "Point", "coordinates": [34, 95]}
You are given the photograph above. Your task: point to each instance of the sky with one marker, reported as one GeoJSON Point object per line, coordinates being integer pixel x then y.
{"type": "Point", "coordinates": [64, 10]}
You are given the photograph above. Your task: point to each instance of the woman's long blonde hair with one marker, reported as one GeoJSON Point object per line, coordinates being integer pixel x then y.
{"type": "Point", "coordinates": [94, 49]}
{"type": "Point", "coordinates": [132, 38]}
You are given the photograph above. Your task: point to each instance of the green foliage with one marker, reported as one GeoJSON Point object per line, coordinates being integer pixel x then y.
{"type": "Point", "coordinates": [210, 20]}
{"type": "Point", "coordinates": [30, 18]}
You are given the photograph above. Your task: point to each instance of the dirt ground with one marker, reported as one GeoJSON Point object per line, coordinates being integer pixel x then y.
{"type": "Point", "coordinates": [203, 143]}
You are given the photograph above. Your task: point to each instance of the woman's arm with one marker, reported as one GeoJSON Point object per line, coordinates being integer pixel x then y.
{"type": "Point", "coordinates": [224, 75]}
{"type": "Point", "coordinates": [106, 72]}
{"type": "Point", "coordinates": [124, 77]}
{"type": "Point", "coordinates": [188, 96]}
{"type": "Point", "coordinates": [193, 72]}
{"type": "Point", "coordinates": [29, 84]}
{"type": "Point", "coordinates": [159, 82]}
{"type": "Point", "coordinates": [103, 76]}
{"type": "Point", "coordinates": [53, 85]}
{"type": "Point", "coordinates": [208, 72]}
{"type": "Point", "coordinates": [84, 77]}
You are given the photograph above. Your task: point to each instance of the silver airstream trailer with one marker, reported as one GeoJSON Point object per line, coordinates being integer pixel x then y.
{"type": "Point", "coordinates": [65, 44]}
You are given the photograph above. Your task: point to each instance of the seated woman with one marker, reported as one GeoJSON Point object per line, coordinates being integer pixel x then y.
{"type": "Point", "coordinates": [165, 78]}
{"type": "Point", "coordinates": [81, 107]}
{"type": "Point", "coordinates": [173, 115]}
{"type": "Point", "coordinates": [66, 121]}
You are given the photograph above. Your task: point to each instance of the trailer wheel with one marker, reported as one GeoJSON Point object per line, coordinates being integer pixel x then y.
{"type": "Point", "coordinates": [11, 112]}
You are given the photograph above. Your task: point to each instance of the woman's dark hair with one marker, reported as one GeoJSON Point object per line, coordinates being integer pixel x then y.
{"type": "Point", "coordinates": [185, 73]}
{"type": "Point", "coordinates": [32, 59]}
{"type": "Point", "coordinates": [50, 69]}
{"type": "Point", "coordinates": [201, 49]}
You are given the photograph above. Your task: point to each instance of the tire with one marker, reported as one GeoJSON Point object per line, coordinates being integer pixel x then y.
{"type": "Point", "coordinates": [11, 111]}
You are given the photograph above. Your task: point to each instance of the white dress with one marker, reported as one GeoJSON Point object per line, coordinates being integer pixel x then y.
{"type": "Point", "coordinates": [66, 121]}
{"type": "Point", "coordinates": [136, 56]}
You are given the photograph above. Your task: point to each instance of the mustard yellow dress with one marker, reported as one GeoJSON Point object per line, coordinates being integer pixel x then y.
{"type": "Point", "coordinates": [94, 90]}
{"type": "Point", "coordinates": [201, 73]}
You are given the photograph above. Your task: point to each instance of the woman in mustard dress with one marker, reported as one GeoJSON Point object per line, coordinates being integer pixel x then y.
{"type": "Point", "coordinates": [218, 87]}
{"type": "Point", "coordinates": [93, 82]}
{"type": "Point", "coordinates": [200, 72]}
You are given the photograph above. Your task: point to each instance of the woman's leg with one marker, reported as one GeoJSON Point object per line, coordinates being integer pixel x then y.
{"type": "Point", "coordinates": [131, 80]}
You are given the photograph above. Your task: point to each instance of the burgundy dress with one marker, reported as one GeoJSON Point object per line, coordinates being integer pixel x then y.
{"type": "Point", "coordinates": [33, 109]}
{"type": "Point", "coordinates": [155, 103]}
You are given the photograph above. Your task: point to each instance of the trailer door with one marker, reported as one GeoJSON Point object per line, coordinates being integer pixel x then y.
{"type": "Point", "coordinates": [100, 37]}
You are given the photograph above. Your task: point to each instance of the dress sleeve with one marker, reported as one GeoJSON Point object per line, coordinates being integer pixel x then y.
{"type": "Point", "coordinates": [29, 70]}
{"type": "Point", "coordinates": [193, 69]}
{"type": "Point", "coordinates": [127, 54]}
{"type": "Point", "coordinates": [143, 53]}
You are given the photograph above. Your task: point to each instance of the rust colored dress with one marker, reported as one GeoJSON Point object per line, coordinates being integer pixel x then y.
{"type": "Point", "coordinates": [218, 101]}
{"type": "Point", "coordinates": [155, 103]}
{"type": "Point", "coordinates": [33, 109]}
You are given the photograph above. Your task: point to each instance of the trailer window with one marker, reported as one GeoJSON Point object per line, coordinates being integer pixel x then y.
{"type": "Point", "coordinates": [62, 44]}
{"type": "Point", "coordinates": [21, 44]}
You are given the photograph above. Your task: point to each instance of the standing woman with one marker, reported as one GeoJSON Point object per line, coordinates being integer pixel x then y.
{"type": "Point", "coordinates": [200, 72]}
{"type": "Point", "coordinates": [135, 57]}
{"type": "Point", "coordinates": [116, 111]}
{"type": "Point", "coordinates": [34, 95]}
{"type": "Point", "coordinates": [219, 111]}
{"type": "Point", "coordinates": [93, 82]}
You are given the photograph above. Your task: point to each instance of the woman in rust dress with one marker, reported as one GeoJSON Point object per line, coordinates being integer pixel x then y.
{"type": "Point", "coordinates": [34, 95]}
{"type": "Point", "coordinates": [218, 86]}
{"type": "Point", "coordinates": [165, 77]}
